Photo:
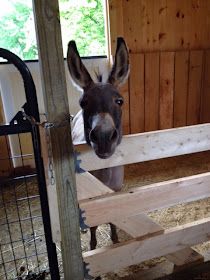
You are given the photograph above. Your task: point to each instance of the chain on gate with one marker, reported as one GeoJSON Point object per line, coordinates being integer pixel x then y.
{"type": "Point", "coordinates": [47, 126]}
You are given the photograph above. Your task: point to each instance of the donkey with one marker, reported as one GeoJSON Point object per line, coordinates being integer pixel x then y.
{"type": "Point", "coordinates": [99, 121]}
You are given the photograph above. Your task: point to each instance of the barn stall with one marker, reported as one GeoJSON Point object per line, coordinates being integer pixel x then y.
{"type": "Point", "coordinates": [167, 88]}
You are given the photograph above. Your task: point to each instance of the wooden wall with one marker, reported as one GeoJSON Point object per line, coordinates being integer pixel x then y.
{"type": "Point", "coordinates": [5, 164]}
{"type": "Point", "coordinates": [168, 40]}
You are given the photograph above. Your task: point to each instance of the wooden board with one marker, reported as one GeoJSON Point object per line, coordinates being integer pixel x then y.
{"type": "Point", "coordinates": [166, 90]}
{"type": "Point", "coordinates": [142, 226]}
{"type": "Point", "coordinates": [138, 226]}
{"type": "Point", "coordinates": [124, 90]}
{"type": "Point", "coordinates": [205, 98]}
{"type": "Point", "coordinates": [56, 106]}
{"type": "Point", "coordinates": [89, 186]}
{"type": "Point", "coordinates": [6, 166]}
{"type": "Point", "coordinates": [136, 83]}
{"type": "Point", "coordinates": [150, 25]}
{"type": "Point", "coordinates": [151, 91]}
{"type": "Point", "coordinates": [150, 146]}
{"type": "Point", "coordinates": [116, 257]}
{"type": "Point", "coordinates": [181, 88]}
{"type": "Point", "coordinates": [185, 258]}
{"type": "Point", "coordinates": [116, 18]}
{"type": "Point", "coordinates": [195, 86]}
{"type": "Point", "coordinates": [144, 199]}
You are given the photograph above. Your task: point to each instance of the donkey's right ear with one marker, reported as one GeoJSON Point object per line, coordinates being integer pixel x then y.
{"type": "Point", "coordinates": [77, 69]}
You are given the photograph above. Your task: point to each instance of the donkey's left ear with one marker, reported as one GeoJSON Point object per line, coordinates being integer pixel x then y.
{"type": "Point", "coordinates": [120, 69]}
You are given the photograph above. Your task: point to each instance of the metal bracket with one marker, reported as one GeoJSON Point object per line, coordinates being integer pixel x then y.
{"type": "Point", "coordinates": [87, 276]}
{"type": "Point", "coordinates": [77, 163]}
{"type": "Point", "coordinates": [82, 219]}
{"type": "Point", "coordinates": [19, 118]}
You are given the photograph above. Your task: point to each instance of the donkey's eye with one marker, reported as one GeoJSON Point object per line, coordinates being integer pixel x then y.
{"type": "Point", "coordinates": [119, 101]}
{"type": "Point", "coordinates": [83, 103]}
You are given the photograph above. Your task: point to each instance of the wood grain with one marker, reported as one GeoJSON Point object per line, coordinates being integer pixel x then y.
{"type": "Point", "coordinates": [6, 166]}
{"type": "Point", "coordinates": [166, 89]}
{"type": "Point", "coordinates": [170, 25]}
{"type": "Point", "coordinates": [56, 105]}
{"type": "Point", "coordinates": [151, 91]}
{"type": "Point", "coordinates": [205, 98]}
{"type": "Point", "coordinates": [139, 226]}
{"type": "Point", "coordinates": [181, 88]}
{"type": "Point", "coordinates": [149, 146]}
{"type": "Point", "coordinates": [195, 85]}
{"type": "Point", "coordinates": [137, 93]}
{"type": "Point", "coordinates": [124, 90]}
{"type": "Point", "coordinates": [116, 257]}
{"type": "Point", "coordinates": [185, 258]}
{"type": "Point", "coordinates": [144, 199]}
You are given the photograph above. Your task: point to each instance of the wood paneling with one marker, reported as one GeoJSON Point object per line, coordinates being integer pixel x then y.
{"type": "Point", "coordinates": [205, 98]}
{"type": "Point", "coordinates": [5, 163]}
{"type": "Point", "coordinates": [116, 19]}
{"type": "Point", "coordinates": [137, 93]}
{"type": "Point", "coordinates": [151, 91]}
{"type": "Point", "coordinates": [124, 90]}
{"type": "Point", "coordinates": [166, 89]}
{"type": "Point", "coordinates": [150, 25]}
{"type": "Point", "coordinates": [170, 41]}
{"type": "Point", "coordinates": [181, 88]}
{"type": "Point", "coordinates": [194, 90]}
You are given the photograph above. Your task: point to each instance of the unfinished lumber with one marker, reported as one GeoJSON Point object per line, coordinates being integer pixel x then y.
{"type": "Point", "coordinates": [146, 199]}
{"type": "Point", "coordinates": [56, 105]}
{"type": "Point", "coordinates": [185, 258]}
{"type": "Point", "coordinates": [135, 251]}
{"type": "Point", "coordinates": [152, 76]}
{"type": "Point", "coordinates": [142, 226]}
{"type": "Point", "coordinates": [89, 186]}
{"type": "Point", "coordinates": [181, 78]}
{"type": "Point", "coordinates": [149, 146]}
{"type": "Point", "coordinates": [139, 226]}
{"type": "Point", "coordinates": [166, 90]}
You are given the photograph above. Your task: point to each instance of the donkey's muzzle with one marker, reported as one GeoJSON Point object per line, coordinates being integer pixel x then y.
{"type": "Point", "coordinates": [104, 142]}
{"type": "Point", "coordinates": [97, 136]}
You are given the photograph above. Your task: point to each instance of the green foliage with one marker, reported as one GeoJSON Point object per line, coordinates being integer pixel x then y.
{"type": "Point", "coordinates": [17, 32]}
{"type": "Point", "coordinates": [81, 20]}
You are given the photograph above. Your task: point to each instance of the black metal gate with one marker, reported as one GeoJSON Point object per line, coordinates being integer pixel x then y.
{"type": "Point", "coordinates": [27, 250]}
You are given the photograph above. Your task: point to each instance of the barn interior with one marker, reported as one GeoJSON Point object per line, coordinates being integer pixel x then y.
{"type": "Point", "coordinates": [168, 88]}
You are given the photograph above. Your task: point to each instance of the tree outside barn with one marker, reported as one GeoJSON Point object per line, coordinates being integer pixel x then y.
{"type": "Point", "coordinates": [81, 20]}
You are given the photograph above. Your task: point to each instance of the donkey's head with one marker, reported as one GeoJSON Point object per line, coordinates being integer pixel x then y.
{"type": "Point", "coordinates": [101, 102]}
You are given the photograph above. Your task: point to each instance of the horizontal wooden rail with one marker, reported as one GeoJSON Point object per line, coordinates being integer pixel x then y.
{"type": "Point", "coordinates": [89, 186]}
{"type": "Point", "coordinates": [132, 252]}
{"type": "Point", "coordinates": [149, 146]}
{"type": "Point", "coordinates": [145, 199]}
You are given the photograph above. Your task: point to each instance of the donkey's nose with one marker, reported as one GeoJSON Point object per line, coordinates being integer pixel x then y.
{"type": "Point", "coordinates": [97, 136]}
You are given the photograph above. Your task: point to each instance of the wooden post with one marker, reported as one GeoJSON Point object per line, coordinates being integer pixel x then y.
{"type": "Point", "coordinates": [56, 104]}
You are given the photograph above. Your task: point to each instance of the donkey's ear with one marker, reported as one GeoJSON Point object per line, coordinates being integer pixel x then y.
{"type": "Point", "coordinates": [77, 69]}
{"type": "Point", "coordinates": [120, 69]}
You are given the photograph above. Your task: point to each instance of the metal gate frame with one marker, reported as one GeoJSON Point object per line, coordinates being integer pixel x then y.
{"type": "Point", "coordinates": [20, 124]}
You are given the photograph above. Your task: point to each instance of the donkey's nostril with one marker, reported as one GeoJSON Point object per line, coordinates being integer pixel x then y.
{"type": "Point", "coordinates": [113, 135]}
{"type": "Point", "coordinates": [101, 137]}
{"type": "Point", "coordinates": [93, 136]}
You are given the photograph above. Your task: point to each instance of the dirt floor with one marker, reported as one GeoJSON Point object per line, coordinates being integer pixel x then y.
{"type": "Point", "coordinates": [135, 175]}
